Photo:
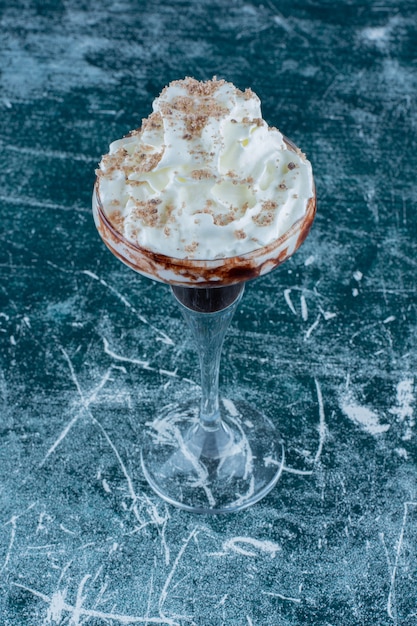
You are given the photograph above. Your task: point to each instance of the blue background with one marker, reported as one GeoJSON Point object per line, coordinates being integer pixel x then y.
{"type": "Point", "coordinates": [325, 345]}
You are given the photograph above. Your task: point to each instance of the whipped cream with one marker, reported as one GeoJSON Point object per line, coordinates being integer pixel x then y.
{"type": "Point", "coordinates": [205, 177]}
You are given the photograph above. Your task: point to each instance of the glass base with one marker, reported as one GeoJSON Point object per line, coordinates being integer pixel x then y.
{"type": "Point", "coordinates": [212, 470]}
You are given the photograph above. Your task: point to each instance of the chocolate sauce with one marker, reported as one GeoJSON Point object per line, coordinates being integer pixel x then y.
{"type": "Point", "coordinates": [207, 299]}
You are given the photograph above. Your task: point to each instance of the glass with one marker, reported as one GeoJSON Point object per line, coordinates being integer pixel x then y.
{"type": "Point", "coordinates": [218, 455]}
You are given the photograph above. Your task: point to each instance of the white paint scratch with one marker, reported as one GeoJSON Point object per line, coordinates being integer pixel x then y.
{"type": "Point", "coordinates": [162, 336]}
{"type": "Point", "coordinates": [322, 422]}
{"type": "Point", "coordinates": [289, 301]}
{"type": "Point", "coordinates": [164, 593]}
{"type": "Point", "coordinates": [391, 609]}
{"type": "Point", "coordinates": [230, 407]}
{"type": "Point", "coordinates": [58, 606]}
{"type": "Point", "coordinates": [76, 614]}
{"type": "Point", "coordinates": [374, 33]}
{"type": "Point", "coordinates": [154, 517]}
{"type": "Point", "coordinates": [328, 315]}
{"type": "Point", "coordinates": [145, 365]}
{"type": "Point", "coordinates": [49, 154]}
{"type": "Point", "coordinates": [363, 417]}
{"type": "Point", "coordinates": [67, 530]}
{"type": "Point", "coordinates": [148, 606]}
{"type": "Point", "coordinates": [404, 408]}
{"type": "Point", "coordinates": [84, 405]}
{"type": "Point", "coordinates": [297, 472]}
{"type": "Point", "coordinates": [282, 597]}
{"type": "Point", "coordinates": [37, 204]}
{"type": "Point", "coordinates": [106, 486]}
{"type": "Point", "coordinates": [312, 328]}
{"type": "Point", "coordinates": [12, 521]}
{"type": "Point", "coordinates": [322, 429]}
{"type": "Point", "coordinates": [248, 546]}
{"type": "Point", "coordinates": [304, 309]}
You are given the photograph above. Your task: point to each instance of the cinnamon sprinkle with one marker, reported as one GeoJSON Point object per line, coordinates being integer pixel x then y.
{"type": "Point", "coordinates": [117, 220]}
{"type": "Point", "coordinates": [153, 122]}
{"type": "Point", "coordinates": [248, 94]}
{"type": "Point", "coordinates": [147, 212]}
{"type": "Point", "coordinates": [266, 215]}
{"type": "Point", "coordinates": [197, 88]}
{"type": "Point", "coordinates": [257, 121]}
{"type": "Point", "coordinates": [222, 219]}
{"type": "Point", "coordinates": [192, 247]}
{"type": "Point", "coordinates": [200, 174]}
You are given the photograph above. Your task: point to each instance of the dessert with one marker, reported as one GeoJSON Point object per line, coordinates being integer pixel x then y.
{"type": "Point", "coordinates": [205, 193]}
{"type": "Point", "coordinates": [205, 196]}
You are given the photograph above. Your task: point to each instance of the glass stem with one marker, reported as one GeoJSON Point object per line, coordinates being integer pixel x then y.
{"type": "Point", "coordinates": [208, 331]}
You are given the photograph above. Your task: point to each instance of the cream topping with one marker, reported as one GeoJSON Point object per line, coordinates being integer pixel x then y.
{"type": "Point", "coordinates": [204, 177]}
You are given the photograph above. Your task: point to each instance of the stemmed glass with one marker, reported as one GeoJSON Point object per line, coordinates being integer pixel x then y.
{"type": "Point", "coordinates": [218, 455]}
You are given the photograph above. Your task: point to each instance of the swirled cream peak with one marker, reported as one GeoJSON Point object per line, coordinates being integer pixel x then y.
{"type": "Point", "coordinates": [204, 177]}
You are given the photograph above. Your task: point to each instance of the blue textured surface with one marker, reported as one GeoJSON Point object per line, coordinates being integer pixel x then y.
{"type": "Point", "coordinates": [325, 345]}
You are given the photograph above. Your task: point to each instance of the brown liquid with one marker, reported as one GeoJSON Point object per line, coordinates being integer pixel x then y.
{"type": "Point", "coordinates": [207, 299]}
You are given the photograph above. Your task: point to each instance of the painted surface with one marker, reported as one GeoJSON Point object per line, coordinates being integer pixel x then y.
{"type": "Point", "coordinates": [325, 345]}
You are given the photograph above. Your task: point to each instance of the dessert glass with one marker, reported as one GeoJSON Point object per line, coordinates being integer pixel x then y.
{"type": "Point", "coordinates": [214, 456]}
